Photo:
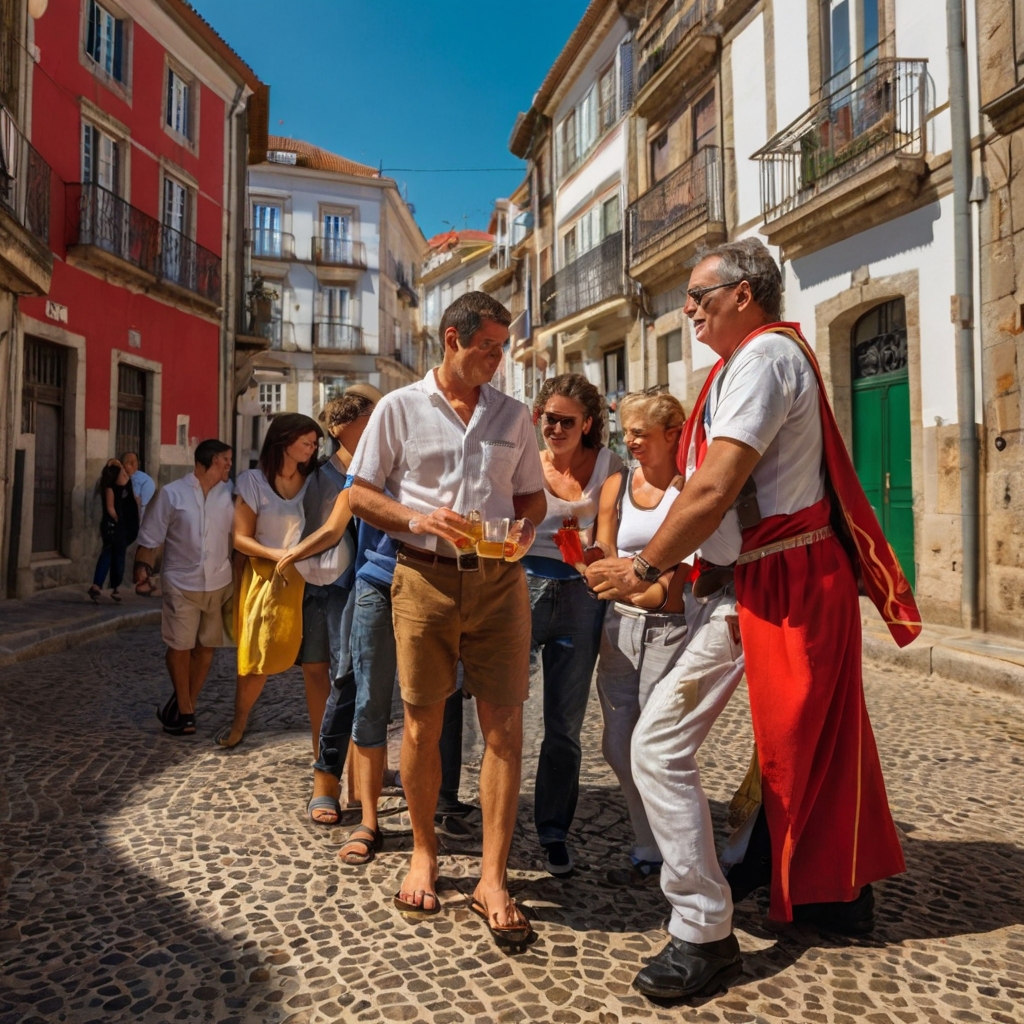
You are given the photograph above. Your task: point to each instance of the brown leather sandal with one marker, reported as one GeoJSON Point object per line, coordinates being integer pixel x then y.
{"type": "Point", "coordinates": [517, 934]}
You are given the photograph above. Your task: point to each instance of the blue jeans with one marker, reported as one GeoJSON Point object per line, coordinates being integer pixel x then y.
{"type": "Point", "coordinates": [566, 637]}
{"type": "Point", "coordinates": [374, 662]}
{"type": "Point", "coordinates": [336, 730]}
{"type": "Point", "coordinates": [111, 560]}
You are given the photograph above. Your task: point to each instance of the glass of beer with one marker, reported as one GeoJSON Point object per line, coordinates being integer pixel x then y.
{"type": "Point", "coordinates": [492, 544]}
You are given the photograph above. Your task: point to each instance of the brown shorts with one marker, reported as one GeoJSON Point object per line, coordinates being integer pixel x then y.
{"type": "Point", "coordinates": [191, 617]}
{"type": "Point", "coordinates": [482, 618]}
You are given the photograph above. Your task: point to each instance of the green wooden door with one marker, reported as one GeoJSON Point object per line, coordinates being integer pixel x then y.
{"type": "Point", "coordinates": [881, 455]}
{"type": "Point", "coordinates": [881, 423]}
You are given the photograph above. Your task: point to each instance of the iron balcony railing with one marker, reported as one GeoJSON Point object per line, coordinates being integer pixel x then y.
{"type": "Point", "coordinates": [338, 252]}
{"type": "Point", "coordinates": [686, 197]}
{"type": "Point", "coordinates": [99, 218]}
{"type": "Point", "coordinates": [24, 181]}
{"type": "Point", "coordinates": [877, 113]}
{"type": "Point", "coordinates": [591, 278]}
{"type": "Point", "coordinates": [337, 336]}
{"type": "Point", "coordinates": [675, 24]}
{"type": "Point", "coordinates": [270, 244]}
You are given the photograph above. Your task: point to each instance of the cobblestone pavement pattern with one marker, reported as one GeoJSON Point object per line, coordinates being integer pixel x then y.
{"type": "Point", "coordinates": [147, 878]}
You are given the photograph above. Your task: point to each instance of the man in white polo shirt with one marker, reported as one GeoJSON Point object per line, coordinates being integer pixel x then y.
{"type": "Point", "coordinates": [444, 446]}
{"type": "Point", "coordinates": [191, 519]}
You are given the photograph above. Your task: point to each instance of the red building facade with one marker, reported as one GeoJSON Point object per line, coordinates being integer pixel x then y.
{"type": "Point", "coordinates": [144, 115]}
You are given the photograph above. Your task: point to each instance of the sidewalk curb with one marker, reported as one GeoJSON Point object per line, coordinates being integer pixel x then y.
{"type": "Point", "coordinates": [73, 637]}
{"type": "Point", "coordinates": [938, 659]}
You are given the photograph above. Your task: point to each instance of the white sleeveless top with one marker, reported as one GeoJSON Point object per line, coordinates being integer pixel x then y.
{"type": "Point", "coordinates": [585, 509]}
{"type": "Point", "coordinates": [638, 525]}
{"type": "Point", "coordinates": [279, 521]}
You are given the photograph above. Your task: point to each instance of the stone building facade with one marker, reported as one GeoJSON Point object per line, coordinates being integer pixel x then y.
{"type": "Point", "coordinates": [823, 126]}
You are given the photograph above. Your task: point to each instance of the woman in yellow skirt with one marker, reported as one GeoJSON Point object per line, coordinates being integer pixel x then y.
{"type": "Point", "coordinates": [269, 521]}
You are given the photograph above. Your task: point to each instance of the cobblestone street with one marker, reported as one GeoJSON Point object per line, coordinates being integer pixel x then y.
{"type": "Point", "coordinates": [158, 879]}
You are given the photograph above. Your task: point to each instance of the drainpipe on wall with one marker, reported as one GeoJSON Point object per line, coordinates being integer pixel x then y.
{"type": "Point", "coordinates": [962, 312]}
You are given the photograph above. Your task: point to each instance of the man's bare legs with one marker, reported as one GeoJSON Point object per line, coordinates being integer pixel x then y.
{"type": "Point", "coordinates": [179, 668]}
{"type": "Point", "coordinates": [500, 772]}
{"type": "Point", "coordinates": [198, 669]}
{"type": "Point", "coordinates": [421, 780]}
{"type": "Point", "coordinates": [367, 765]}
{"type": "Point", "coordinates": [247, 691]}
{"type": "Point", "coordinates": [317, 677]}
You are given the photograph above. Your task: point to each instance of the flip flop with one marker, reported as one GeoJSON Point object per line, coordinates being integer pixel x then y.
{"type": "Point", "coordinates": [372, 841]}
{"type": "Point", "coordinates": [323, 803]}
{"type": "Point", "coordinates": [416, 909]}
{"type": "Point", "coordinates": [503, 934]}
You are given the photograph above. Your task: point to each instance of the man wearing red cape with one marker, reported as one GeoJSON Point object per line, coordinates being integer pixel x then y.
{"type": "Point", "coordinates": [795, 541]}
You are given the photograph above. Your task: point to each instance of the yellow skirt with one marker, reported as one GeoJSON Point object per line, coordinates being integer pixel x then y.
{"type": "Point", "coordinates": [268, 619]}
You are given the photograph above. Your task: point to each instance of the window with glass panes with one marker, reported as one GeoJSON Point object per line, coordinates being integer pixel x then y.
{"type": "Point", "coordinates": [271, 398]}
{"type": "Point", "coordinates": [266, 230]}
{"type": "Point", "coordinates": [101, 158]}
{"type": "Point", "coordinates": [104, 40]}
{"type": "Point", "coordinates": [606, 94]}
{"type": "Point", "coordinates": [178, 104]}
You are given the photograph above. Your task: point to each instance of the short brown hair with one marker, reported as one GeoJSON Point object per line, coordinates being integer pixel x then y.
{"type": "Point", "coordinates": [467, 312]}
{"type": "Point", "coordinates": [341, 411]}
{"type": "Point", "coordinates": [579, 389]}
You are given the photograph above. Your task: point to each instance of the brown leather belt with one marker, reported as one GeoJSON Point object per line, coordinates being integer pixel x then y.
{"type": "Point", "coordinates": [427, 557]}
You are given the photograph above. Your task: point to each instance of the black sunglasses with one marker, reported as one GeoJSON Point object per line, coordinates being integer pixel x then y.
{"type": "Point", "coordinates": [697, 294]}
{"type": "Point", "coordinates": [568, 422]}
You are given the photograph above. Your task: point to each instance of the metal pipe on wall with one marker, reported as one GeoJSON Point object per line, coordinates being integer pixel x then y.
{"type": "Point", "coordinates": [962, 309]}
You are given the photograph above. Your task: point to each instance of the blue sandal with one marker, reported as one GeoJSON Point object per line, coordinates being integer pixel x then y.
{"type": "Point", "coordinates": [323, 803]}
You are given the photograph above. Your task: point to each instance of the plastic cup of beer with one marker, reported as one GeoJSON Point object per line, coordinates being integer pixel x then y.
{"type": "Point", "coordinates": [492, 544]}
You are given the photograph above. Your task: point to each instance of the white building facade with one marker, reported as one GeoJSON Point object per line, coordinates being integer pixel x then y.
{"type": "Point", "coordinates": [331, 299]}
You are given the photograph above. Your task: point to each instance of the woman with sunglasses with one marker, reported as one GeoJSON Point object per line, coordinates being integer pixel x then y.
{"type": "Point", "coordinates": [566, 616]}
{"type": "Point", "coordinates": [640, 641]}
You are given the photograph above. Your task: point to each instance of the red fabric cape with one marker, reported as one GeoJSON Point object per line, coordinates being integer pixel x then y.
{"type": "Point", "coordinates": [824, 796]}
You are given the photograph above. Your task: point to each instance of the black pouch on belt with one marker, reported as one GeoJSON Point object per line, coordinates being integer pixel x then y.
{"type": "Point", "coordinates": [711, 579]}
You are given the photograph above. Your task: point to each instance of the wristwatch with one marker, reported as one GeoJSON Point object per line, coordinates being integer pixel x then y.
{"type": "Point", "coordinates": [644, 571]}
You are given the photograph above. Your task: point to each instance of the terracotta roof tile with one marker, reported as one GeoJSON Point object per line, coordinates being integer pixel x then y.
{"type": "Point", "coordinates": [449, 239]}
{"type": "Point", "coordinates": [320, 159]}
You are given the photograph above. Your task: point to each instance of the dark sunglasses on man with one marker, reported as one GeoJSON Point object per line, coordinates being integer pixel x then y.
{"type": "Point", "coordinates": [698, 294]}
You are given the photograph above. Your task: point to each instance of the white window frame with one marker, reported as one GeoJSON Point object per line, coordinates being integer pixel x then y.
{"type": "Point", "coordinates": [270, 397]}
{"type": "Point", "coordinates": [180, 115]}
{"type": "Point", "coordinates": [101, 60]}
{"type": "Point", "coordinates": [270, 230]}
{"type": "Point", "coordinates": [94, 140]}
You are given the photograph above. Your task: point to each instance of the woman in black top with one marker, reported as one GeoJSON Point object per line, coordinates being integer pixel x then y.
{"type": "Point", "coordinates": [118, 528]}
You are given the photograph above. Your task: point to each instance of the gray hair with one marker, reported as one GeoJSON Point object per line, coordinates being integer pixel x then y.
{"type": "Point", "coordinates": [748, 259]}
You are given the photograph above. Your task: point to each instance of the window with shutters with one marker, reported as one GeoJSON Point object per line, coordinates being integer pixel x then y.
{"type": "Point", "coordinates": [131, 411]}
{"type": "Point", "coordinates": [180, 104]}
{"type": "Point", "coordinates": [606, 95]}
{"type": "Point", "coordinates": [101, 158]}
{"type": "Point", "coordinates": [178, 250]}
{"type": "Point", "coordinates": [105, 42]}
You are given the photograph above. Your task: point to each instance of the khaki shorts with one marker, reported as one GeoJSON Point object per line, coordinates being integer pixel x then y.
{"type": "Point", "coordinates": [192, 617]}
{"type": "Point", "coordinates": [442, 616]}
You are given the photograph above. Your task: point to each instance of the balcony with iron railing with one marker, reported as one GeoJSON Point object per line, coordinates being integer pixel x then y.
{"type": "Point", "coordinates": [339, 252]}
{"type": "Point", "coordinates": [105, 229]}
{"type": "Point", "coordinates": [853, 160]}
{"type": "Point", "coordinates": [674, 46]}
{"type": "Point", "coordinates": [672, 218]}
{"type": "Point", "coordinates": [594, 277]}
{"type": "Point", "coordinates": [26, 261]}
{"type": "Point", "coordinates": [337, 336]}
{"type": "Point", "coordinates": [271, 244]}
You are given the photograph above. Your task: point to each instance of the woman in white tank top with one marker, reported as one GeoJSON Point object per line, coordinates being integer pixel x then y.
{"type": "Point", "coordinates": [566, 616]}
{"type": "Point", "coordinates": [641, 641]}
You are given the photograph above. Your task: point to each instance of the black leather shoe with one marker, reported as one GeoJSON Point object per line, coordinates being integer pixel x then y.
{"type": "Point", "coordinates": [685, 969]}
{"type": "Point", "coordinates": [856, 917]}
{"type": "Point", "coordinates": [755, 870]}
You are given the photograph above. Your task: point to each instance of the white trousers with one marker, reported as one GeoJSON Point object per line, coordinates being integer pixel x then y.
{"type": "Point", "coordinates": [677, 716]}
{"type": "Point", "coordinates": [637, 650]}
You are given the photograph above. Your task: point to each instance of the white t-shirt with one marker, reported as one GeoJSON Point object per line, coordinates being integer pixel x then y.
{"type": "Point", "coordinates": [585, 509]}
{"type": "Point", "coordinates": [279, 521]}
{"type": "Point", "coordinates": [418, 449]}
{"type": "Point", "coordinates": [766, 396]}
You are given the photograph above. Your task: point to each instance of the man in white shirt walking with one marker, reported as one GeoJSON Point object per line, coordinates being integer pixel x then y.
{"type": "Point", "coordinates": [191, 519]}
{"type": "Point", "coordinates": [444, 446]}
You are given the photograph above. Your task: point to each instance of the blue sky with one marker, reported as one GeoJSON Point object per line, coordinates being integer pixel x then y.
{"type": "Point", "coordinates": [433, 84]}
